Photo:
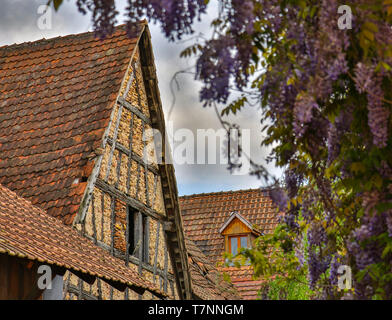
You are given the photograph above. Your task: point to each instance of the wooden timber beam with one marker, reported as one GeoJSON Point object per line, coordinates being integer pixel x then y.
{"type": "Point", "coordinates": [132, 259]}
{"type": "Point", "coordinates": [174, 239]}
{"type": "Point", "coordinates": [103, 186]}
{"type": "Point", "coordinates": [133, 109]}
{"type": "Point", "coordinates": [133, 156]}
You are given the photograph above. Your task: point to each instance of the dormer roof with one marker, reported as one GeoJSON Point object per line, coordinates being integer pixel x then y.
{"type": "Point", "coordinates": [235, 215]}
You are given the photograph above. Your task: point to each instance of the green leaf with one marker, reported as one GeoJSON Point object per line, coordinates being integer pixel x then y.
{"type": "Point", "coordinates": [385, 65]}
{"type": "Point", "coordinates": [57, 4]}
{"type": "Point", "coordinates": [386, 250]}
{"type": "Point", "coordinates": [357, 167]}
{"type": "Point", "coordinates": [377, 181]}
{"type": "Point", "coordinates": [193, 49]}
{"type": "Point", "coordinates": [234, 106]}
{"type": "Point", "coordinates": [370, 26]}
{"type": "Point", "coordinates": [313, 11]}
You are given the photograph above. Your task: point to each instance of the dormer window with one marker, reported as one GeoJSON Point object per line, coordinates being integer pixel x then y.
{"type": "Point", "coordinates": [237, 242]}
{"type": "Point", "coordinates": [238, 232]}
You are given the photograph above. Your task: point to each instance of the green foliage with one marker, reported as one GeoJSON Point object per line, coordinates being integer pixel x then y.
{"type": "Point", "coordinates": [275, 263]}
{"type": "Point", "coordinates": [282, 289]}
{"type": "Point", "coordinates": [56, 3]}
{"type": "Point", "coordinates": [191, 50]}
{"type": "Point", "coordinates": [345, 175]}
{"type": "Point", "coordinates": [235, 106]}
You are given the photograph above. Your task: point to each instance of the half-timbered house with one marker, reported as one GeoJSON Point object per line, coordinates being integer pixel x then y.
{"type": "Point", "coordinates": [74, 111]}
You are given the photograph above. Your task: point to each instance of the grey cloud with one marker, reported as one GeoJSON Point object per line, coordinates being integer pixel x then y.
{"type": "Point", "coordinates": [18, 21]}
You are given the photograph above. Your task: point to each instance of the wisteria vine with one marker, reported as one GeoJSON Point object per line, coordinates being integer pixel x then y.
{"type": "Point", "coordinates": [326, 101]}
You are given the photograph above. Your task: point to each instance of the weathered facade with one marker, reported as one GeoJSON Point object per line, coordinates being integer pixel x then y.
{"type": "Point", "coordinates": [37, 249]}
{"type": "Point", "coordinates": [74, 114]}
{"type": "Point", "coordinates": [124, 196]}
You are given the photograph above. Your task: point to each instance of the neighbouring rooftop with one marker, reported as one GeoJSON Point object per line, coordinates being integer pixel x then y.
{"type": "Point", "coordinates": [205, 214]}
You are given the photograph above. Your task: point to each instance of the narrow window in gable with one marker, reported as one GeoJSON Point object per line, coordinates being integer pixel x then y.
{"type": "Point", "coordinates": [138, 234]}
{"type": "Point", "coordinates": [132, 216]}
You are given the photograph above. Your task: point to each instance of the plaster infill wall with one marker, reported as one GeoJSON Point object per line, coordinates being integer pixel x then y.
{"type": "Point", "coordinates": [125, 180]}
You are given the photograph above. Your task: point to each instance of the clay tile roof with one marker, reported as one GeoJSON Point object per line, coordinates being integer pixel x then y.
{"type": "Point", "coordinates": [242, 279]}
{"type": "Point", "coordinates": [56, 98]}
{"type": "Point", "coordinates": [204, 215]}
{"type": "Point", "coordinates": [207, 282]}
{"type": "Point", "coordinates": [28, 232]}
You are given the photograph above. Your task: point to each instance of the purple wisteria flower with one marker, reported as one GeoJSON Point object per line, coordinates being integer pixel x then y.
{"type": "Point", "coordinates": [303, 113]}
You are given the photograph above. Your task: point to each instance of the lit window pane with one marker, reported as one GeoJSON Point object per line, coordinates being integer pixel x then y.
{"type": "Point", "coordinates": [244, 242]}
{"type": "Point", "coordinates": [234, 246]}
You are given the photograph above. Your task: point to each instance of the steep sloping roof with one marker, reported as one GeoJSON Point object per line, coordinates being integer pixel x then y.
{"type": "Point", "coordinates": [204, 215]}
{"type": "Point", "coordinates": [207, 282]}
{"type": "Point", "coordinates": [243, 280]}
{"type": "Point", "coordinates": [56, 98]}
{"type": "Point", "coordinates": [28, 232]}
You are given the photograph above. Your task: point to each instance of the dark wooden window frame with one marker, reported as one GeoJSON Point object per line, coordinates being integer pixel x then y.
{"type": "Point", "coordinates": [138, 234]}
{"type": "Point", "coordinates": [228, 237]}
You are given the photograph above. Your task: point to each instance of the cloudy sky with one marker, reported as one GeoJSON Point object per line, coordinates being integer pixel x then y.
{"type": "Point", "coordinates": [18, 23]}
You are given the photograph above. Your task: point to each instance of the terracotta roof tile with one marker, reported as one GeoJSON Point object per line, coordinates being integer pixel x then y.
{"type": "Point", "coordinates": [28, 232]}
{"type": "Point", "coordinates": [207, 282]}
{"type": "Point", "coordinates": [204, 214]}
{"type": "Point", "coordinates": [56, 98]}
